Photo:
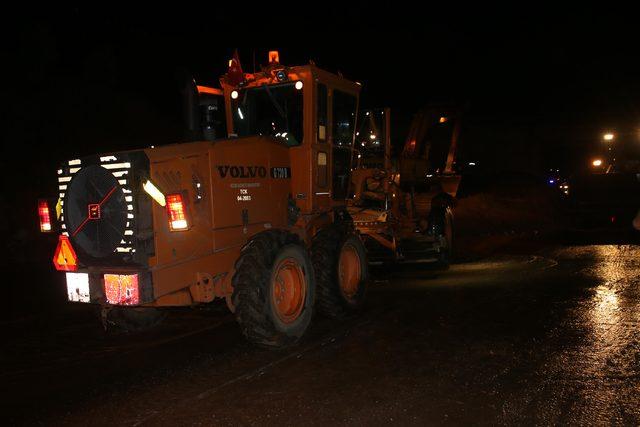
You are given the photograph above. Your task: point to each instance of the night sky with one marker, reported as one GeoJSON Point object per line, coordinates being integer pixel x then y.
{"type": "Point", "coordinates": [541, 85]}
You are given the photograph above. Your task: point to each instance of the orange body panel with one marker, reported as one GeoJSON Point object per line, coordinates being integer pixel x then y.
{"type": "Point", "coordinates": [230, 195]}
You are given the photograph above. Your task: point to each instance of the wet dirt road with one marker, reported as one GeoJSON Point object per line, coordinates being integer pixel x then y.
{"type": "Point", "coordinates": [551, 337]}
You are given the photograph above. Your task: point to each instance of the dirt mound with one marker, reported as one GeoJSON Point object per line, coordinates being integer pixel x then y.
{"type": "Point", "coordinates": [496, 211]}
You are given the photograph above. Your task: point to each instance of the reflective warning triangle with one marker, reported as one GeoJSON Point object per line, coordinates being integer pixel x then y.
{"type": "Point", "coordinates": [65, 258]}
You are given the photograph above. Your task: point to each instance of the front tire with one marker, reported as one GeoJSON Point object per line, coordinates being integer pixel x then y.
{"type": "Point", "coordinates": [340, 263]}
{"type": "Point", "coordinates": [274, 289]}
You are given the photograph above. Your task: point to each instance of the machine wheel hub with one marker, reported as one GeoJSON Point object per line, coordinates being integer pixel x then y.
{"type": "Point", "coordinates": [288, 290]}
{"type": "Point", "coordinates": [349, 271]}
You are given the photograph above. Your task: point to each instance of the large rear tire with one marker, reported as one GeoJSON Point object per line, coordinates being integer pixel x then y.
{"type": "Point", "coordinates": [274, 289]}
{"type": "Point", "coordinates": [340, 263]}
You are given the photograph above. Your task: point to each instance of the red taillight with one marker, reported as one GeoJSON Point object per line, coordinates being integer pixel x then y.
{"type": "Point", "coordinates": [45, 217]}
{"type": "Point", "coordinates": [177, 212]}
{"type": "Point", "coordinates": [121, 289]}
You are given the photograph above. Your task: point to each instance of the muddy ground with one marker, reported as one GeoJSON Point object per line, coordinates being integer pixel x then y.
{"type": "Point", "coordinates": [533, 335]}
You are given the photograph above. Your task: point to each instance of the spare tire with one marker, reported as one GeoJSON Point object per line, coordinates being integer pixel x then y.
{"type": "Point", "coordinates": [98, 235]}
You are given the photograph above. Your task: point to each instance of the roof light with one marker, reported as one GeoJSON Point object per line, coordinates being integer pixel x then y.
{"type": "Point", "coordinates": [597, 163]}
{"type": "Point", "coordinates": [443, 119]}
{"type": "Point", "coordinates": [155, 194]}
{"type": "Point", "coordinates": [176, 212]}
{"type": "Point", "coordinates": [281, 75]}
{"type": "Point", "coordinates": [234, 94]}
{"type": "Point", "coordinates": [299, 84]}
{"type": "Point", "coordinates": [45, 217]}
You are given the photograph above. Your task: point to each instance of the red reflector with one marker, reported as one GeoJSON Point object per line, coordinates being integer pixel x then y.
{"type": "Point", "coordinates": [65, 258]}
{"type": "Point", "coordinates": [176, 212]}
{"type": "Point", "coordinates": [45, 217]}
{"type": "Point", "coordinates": [121, 289]}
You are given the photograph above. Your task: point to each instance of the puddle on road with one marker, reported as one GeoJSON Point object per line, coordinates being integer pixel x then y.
{"type": "Point", "coordinates": [612, 312]}
{"type": "Point", "coordinates": [504, 264]}
{"type": "Point", "coordinates": [493, 270]}
{"type": "Point", "coordinates": [591, 370]}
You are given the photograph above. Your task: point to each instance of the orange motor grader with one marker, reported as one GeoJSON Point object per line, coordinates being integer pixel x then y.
{"type": "Point", "coordinates": [403, 207]}
{"type": "Point", "coordinates": [258, 218]}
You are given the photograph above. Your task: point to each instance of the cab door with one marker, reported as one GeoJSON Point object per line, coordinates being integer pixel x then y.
{"type": "Point", "coordinates": [322, 149]}
{"type": "Point", "coordinates": [335, 112]}
{"type": "Point", "coordinates": [343, 115]}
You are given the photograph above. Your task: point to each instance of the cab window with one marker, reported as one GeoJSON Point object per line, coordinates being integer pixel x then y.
{"type": "Point", "coordinates": [275, 110]}
{"type": "Point", "coordinates": [322, 113]}
{"type": "Point", "coordinates": [344, 117]}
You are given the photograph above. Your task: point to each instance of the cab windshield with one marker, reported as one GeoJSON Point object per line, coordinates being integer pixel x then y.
{"type": "Point", "coordinates": [274, 110]}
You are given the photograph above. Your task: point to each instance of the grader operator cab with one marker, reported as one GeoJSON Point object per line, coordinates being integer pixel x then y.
{"type": "Point", "coordinates": [258, 218]}
{"type": "Point", "coordinates": [403, 207]}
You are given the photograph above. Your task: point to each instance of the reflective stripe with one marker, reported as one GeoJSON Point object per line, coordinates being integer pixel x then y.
{"type": "Point", "coordinates": [126, 165]}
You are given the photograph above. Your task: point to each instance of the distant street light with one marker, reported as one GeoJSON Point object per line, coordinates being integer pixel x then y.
{"type": "Point", "coordinates": [611, 159]}
{"type": "Point", "coordinates": [597, 163]}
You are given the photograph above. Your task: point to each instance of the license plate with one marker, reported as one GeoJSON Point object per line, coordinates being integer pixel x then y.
{"type": "Point", "coordinates": [78, 287]}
